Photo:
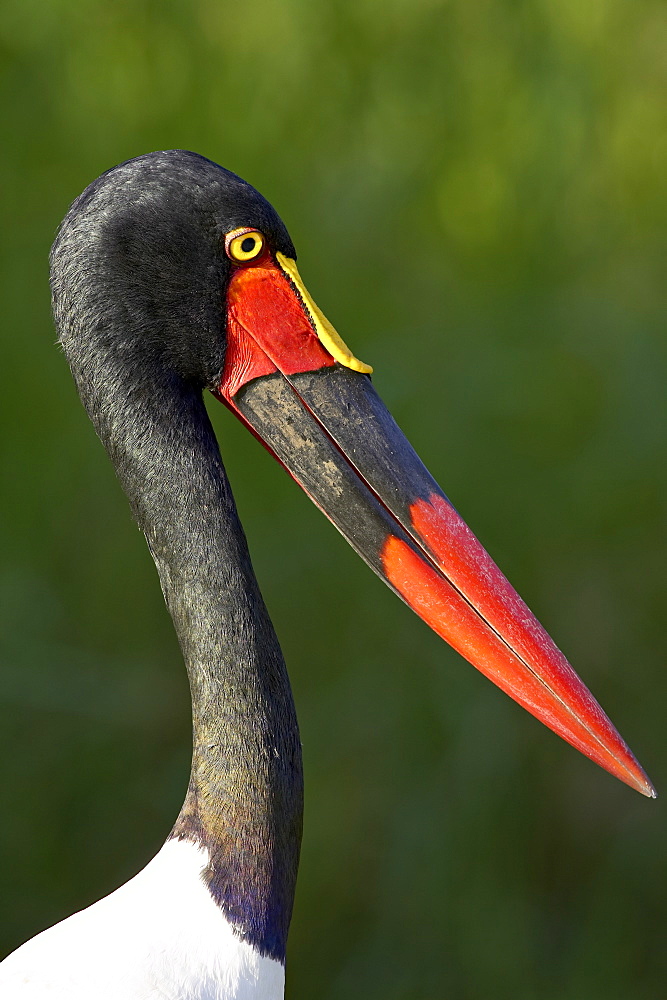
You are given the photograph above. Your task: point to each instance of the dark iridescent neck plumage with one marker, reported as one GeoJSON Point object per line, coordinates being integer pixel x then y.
{"type": "Point", "coordinates": [244, 801]}
{"type": "Point", "coordinates": [139, 276]}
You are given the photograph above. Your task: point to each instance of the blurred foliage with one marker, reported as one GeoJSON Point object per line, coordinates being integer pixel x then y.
{"type": "Point", "coordinates": [477, 193]}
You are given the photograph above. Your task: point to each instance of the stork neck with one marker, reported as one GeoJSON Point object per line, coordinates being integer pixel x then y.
{"type": "Point", "coordinates": [244, 801]}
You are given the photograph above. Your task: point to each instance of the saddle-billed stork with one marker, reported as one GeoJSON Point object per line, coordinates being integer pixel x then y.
{"type": "Point", "coordinates": [171, 275]}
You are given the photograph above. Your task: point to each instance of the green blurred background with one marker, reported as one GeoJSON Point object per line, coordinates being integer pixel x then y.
{"type": "Point", "coordinates": [477, 194]}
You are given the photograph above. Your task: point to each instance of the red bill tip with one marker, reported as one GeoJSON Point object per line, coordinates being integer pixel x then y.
{"type": "Point", "coordinates": [478, 613]}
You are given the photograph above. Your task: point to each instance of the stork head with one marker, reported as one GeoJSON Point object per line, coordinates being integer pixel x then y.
{"type": "Point", "coordinates": [180, 269]}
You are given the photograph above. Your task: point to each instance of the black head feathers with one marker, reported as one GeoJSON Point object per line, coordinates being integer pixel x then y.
{"type": "Point", "coordinates": [138, 268]}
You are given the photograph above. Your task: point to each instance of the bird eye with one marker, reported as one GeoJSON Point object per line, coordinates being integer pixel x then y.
{"type": "Point", "coordinates": [244, 245]}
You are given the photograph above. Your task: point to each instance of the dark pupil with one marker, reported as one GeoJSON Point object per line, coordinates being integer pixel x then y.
{"type": "Point", "coordinates": [248, 244]}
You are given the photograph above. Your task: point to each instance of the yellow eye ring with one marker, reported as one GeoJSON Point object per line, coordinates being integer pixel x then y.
{"type": "Point", "coordinates": [244, 245]}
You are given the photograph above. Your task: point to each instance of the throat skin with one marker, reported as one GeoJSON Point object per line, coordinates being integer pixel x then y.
{"type": "Point", "coordinates": [244, 802]}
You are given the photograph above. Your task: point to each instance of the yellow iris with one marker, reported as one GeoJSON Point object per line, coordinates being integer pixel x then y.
{"type": "Point", "coordinates": [244, 245]}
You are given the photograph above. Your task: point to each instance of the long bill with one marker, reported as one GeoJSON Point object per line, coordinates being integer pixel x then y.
{"type": "Point", "coordinates": [299, 389]}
